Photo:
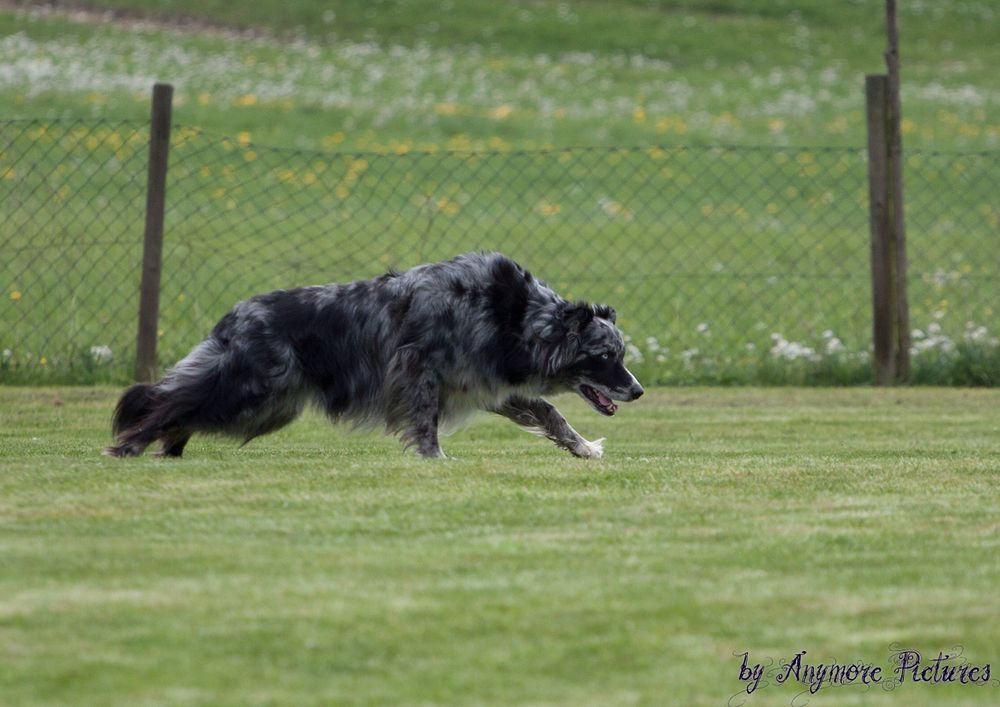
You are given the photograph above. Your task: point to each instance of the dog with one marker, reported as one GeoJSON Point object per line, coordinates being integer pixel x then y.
{"type": "Point", "coordinates": [412, 351]}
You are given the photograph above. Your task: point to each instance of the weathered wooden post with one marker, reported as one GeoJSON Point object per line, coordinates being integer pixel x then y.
{"type": "Point", "coordinates": [152, 248]}
{"type": "Point", "coordinates": [897, 230]}
{"type": "Point", "coordinates": [890, 306]}
{"type": "Point", "coordinates": [884, 363]}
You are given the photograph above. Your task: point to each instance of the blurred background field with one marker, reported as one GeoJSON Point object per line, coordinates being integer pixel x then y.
{"type": "Point", "coordinates": [439, 72]}
{"type": "Point", "coordinates": [713, 190]}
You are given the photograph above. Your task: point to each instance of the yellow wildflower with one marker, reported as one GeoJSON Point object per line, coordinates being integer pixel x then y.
{"type": "Point", "coordinates": [501, 112]}
{"type": "Point", "coordinates": [333, 140]}
{"type": "Point", "coordinates": [547, 209]}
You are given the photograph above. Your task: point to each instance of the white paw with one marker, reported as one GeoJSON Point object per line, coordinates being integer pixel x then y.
{"type": "Point", "coordinates": [591, 450]}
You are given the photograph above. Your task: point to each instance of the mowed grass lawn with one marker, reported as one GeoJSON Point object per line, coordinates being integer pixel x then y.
{"type": "Point", "coordinates": [318, 567]}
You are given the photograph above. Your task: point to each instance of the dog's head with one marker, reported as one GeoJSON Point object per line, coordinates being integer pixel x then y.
{"type": "Point", "coordinates": [589, 356]}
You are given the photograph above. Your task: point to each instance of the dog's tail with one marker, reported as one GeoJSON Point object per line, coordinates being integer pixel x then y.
{"type": "Point", "coordinates": [135, 404]}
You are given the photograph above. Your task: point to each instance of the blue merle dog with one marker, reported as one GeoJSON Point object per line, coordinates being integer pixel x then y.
{"type": "Point", "coordinates": [414, 351]}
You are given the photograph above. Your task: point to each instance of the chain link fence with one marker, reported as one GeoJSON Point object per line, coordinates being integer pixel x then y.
{"type": "Point", "coordinates": [723, 262]}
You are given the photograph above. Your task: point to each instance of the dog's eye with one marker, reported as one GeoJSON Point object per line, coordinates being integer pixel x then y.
{"type": "Point", "coordinates": [605, 355]}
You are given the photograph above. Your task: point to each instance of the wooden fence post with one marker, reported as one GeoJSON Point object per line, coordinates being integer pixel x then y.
{"type": "Point", "coordinates": [883, 319]}
{"type": "Point", "coordinates": [897, 232]}
{"type": "Point", "coordinates": [152, 248]}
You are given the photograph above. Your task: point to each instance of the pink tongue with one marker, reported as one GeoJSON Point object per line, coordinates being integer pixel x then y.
{"type": "Point", "coordinates": [602, 400]}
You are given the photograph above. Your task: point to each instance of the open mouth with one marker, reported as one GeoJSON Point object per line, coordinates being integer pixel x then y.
{"type": "Point", "coordinates": [600, 402]}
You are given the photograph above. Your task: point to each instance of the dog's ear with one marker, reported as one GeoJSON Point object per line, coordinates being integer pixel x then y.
{"type": "Point", "coordinates": [577, 316]}
{"type": "Point", "coordinates": [558, 331]}
{"type": "Point", "coordinates": [605, 311]}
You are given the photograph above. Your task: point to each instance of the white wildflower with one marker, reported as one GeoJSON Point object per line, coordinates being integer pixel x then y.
{"type": "Point", "coordinates": [979, 335]}
{"type": "Point", "coordinates": [702, 328]}
{"type": "Point", "coordinates": [940, 343]}
{"type": "Point", "coordinates": [614, 209]}
{"type": "Point", "coordinates": [792, 350]}
{"type": "Point", "coordinates": [633, 354]}
{"type": "Point", "coordinates": [943, 277]}
{"type": "Point", "coordinates": [101, 354]}
{"type": "Point", "coordinates": [834, 346]}
{"type": "Point", "coordinates": [652, 344]}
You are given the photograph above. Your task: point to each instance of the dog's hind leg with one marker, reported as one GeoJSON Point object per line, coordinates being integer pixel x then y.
{"type": "Point", "coordinates": [172, 443]}
{"type": "Point", "coordinates": [541, 417]}
{"type": "Point", "coordinates": [131, 443]}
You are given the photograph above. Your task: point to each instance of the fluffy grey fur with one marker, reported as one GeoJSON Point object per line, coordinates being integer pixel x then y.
{"type": "Point", "coordinates": [413, 351]}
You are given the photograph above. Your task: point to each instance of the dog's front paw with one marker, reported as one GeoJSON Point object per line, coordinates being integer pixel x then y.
{"type": "Point", "coordinates": [589, 450]}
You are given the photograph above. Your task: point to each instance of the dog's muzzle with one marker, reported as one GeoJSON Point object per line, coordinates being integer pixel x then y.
{"type": "Point", "coordinates": [604, 402]}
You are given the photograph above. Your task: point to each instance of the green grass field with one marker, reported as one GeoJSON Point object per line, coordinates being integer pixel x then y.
{"type": "Point", "coordinates": [319, 567]}
{"type": "Point", "coordinates": [315, 567]}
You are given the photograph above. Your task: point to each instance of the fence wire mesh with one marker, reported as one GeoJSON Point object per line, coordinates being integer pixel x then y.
{"type": "Point", "coordinates": [713, 256]}
{"type": "Point", "coordinates": [71, 215]}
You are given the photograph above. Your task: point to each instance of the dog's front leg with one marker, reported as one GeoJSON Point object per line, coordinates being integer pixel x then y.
{"type": "Point", "coordinates": [541, 417]}
{"type": "Point", "coordinates": [413, 395]}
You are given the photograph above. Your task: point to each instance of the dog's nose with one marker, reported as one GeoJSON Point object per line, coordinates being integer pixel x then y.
{"type": "Point", "coordinates": [637, 392]}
